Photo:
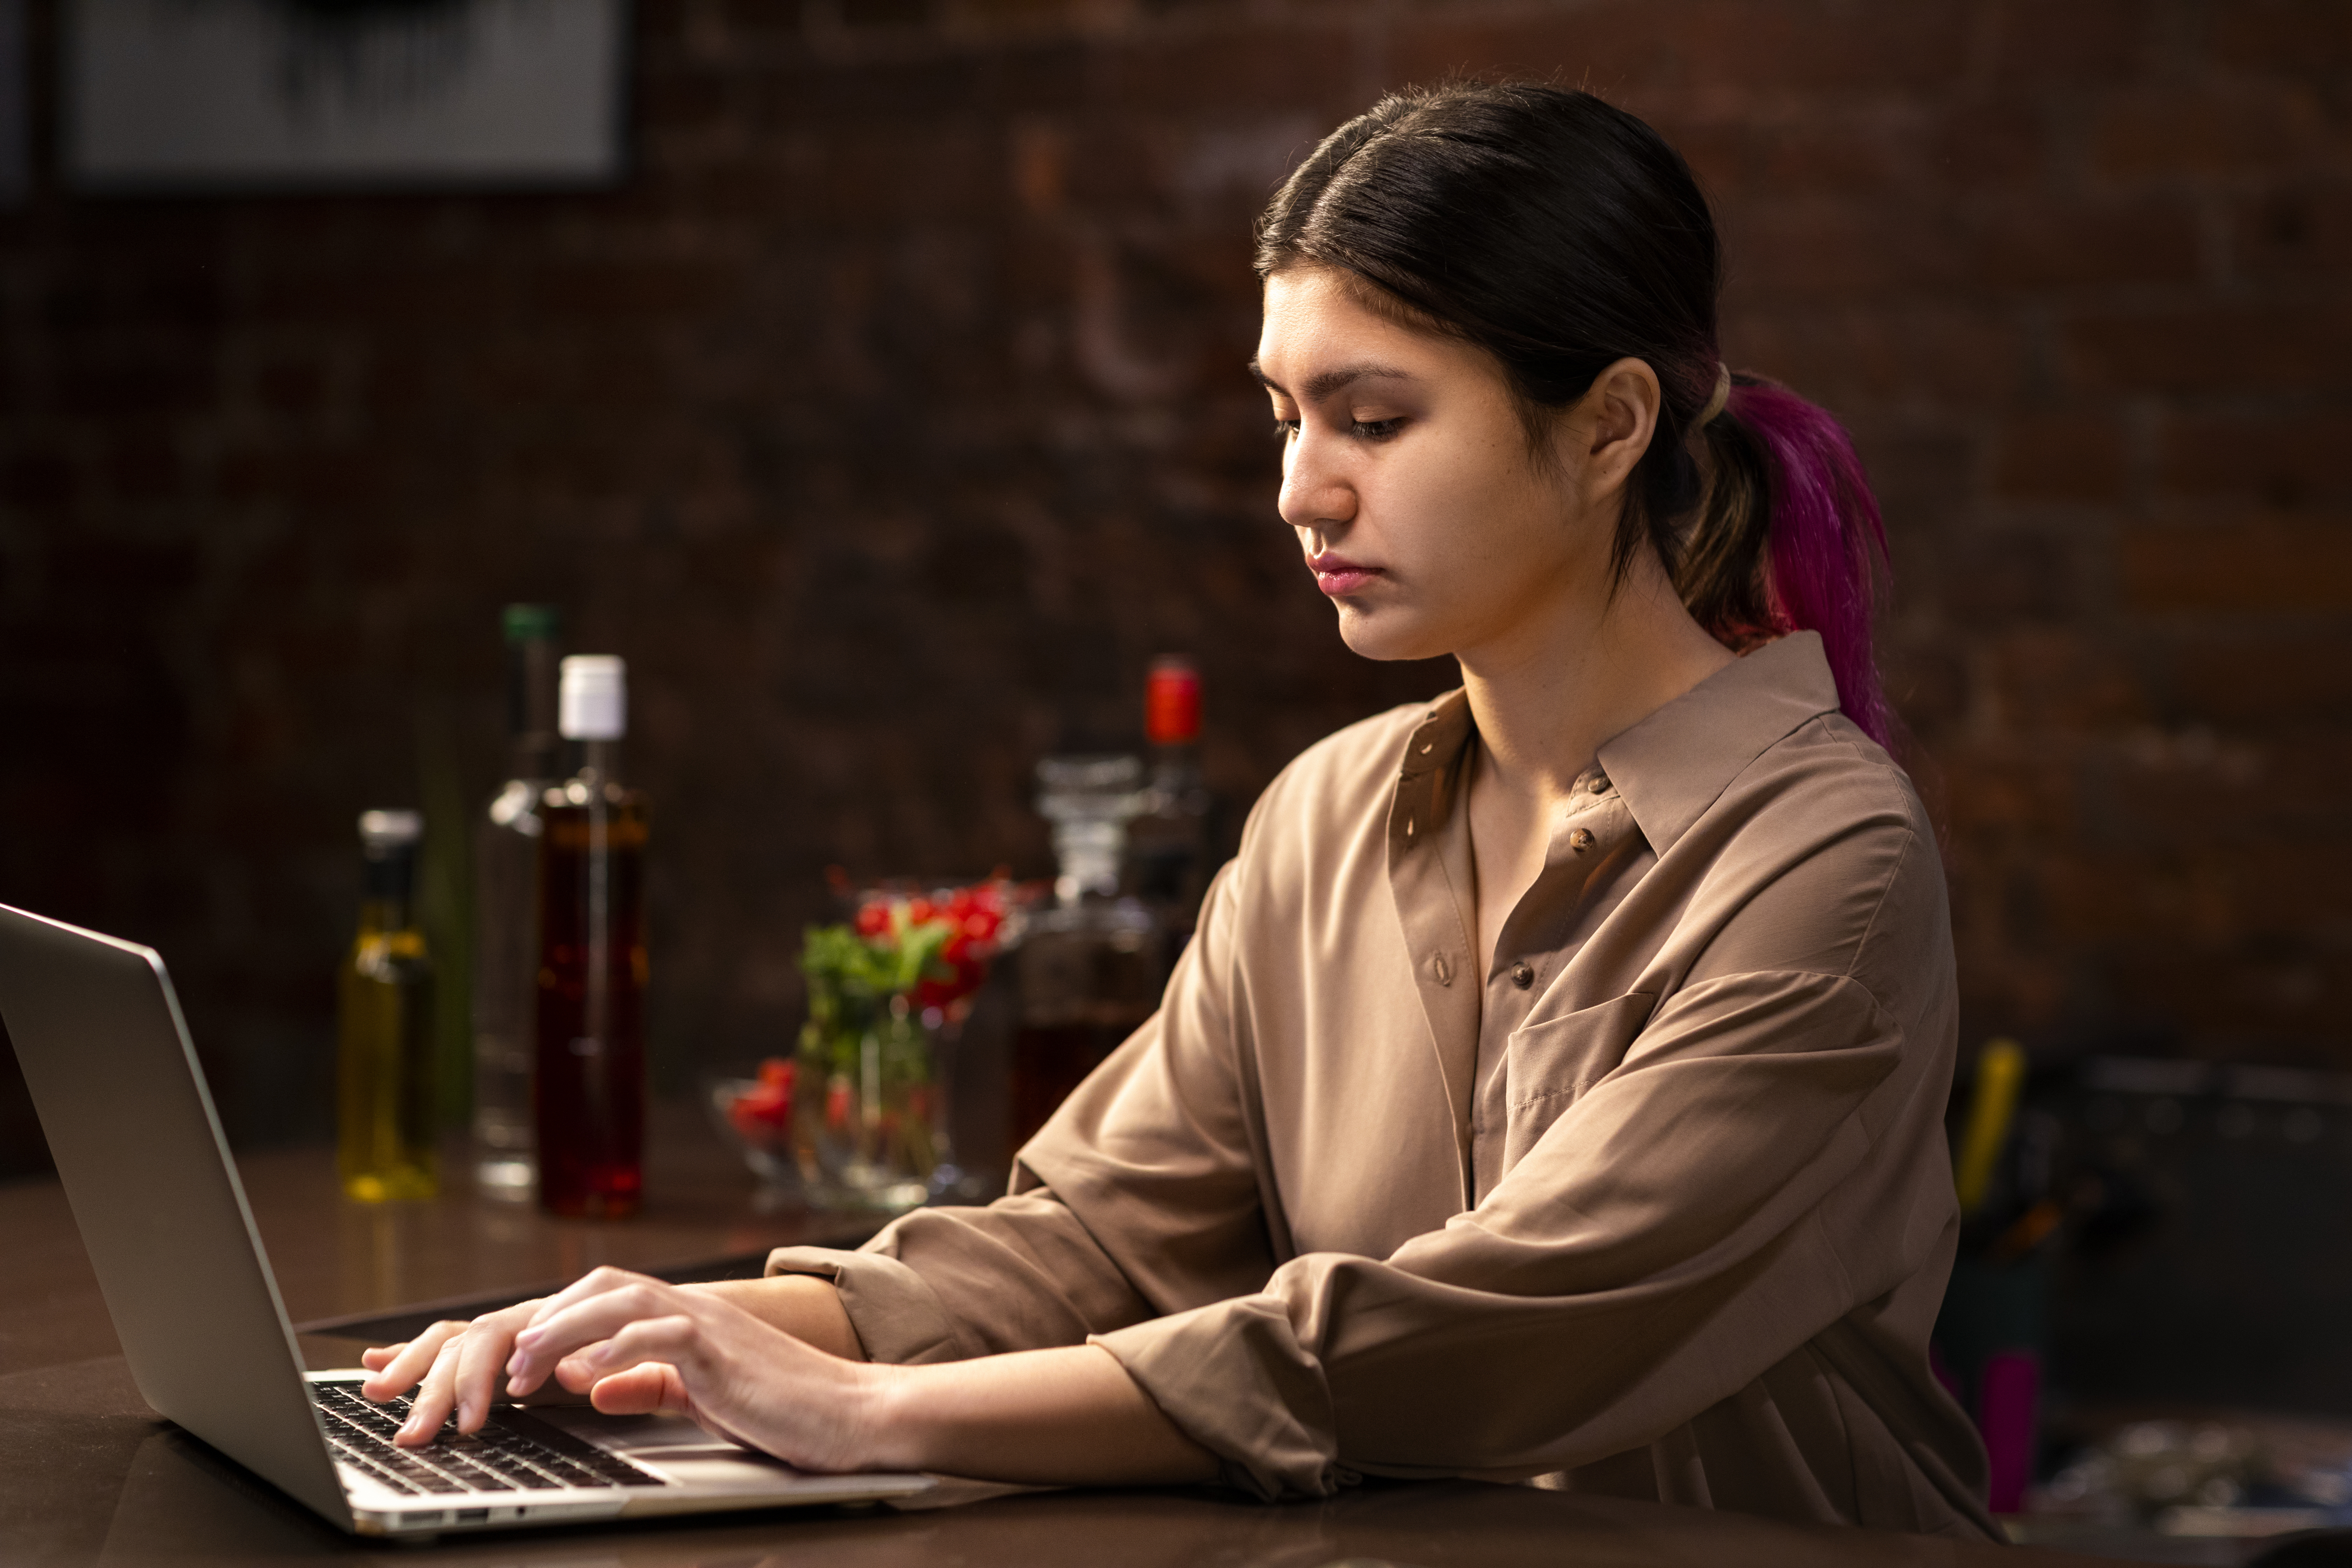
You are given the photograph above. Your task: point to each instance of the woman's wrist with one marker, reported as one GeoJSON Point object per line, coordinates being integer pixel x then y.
{"type": "Point", "coordinates": [886, 1413]}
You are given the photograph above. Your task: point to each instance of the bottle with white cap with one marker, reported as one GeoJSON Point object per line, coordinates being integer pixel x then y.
{"type": "Point", "coordinates": [589, 1089]}
{"type": "Point", "coordinates": [385, 1079]}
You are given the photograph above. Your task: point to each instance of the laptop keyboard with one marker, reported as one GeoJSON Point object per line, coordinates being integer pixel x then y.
{"type": "Point", "coordinates": [501, 1458]}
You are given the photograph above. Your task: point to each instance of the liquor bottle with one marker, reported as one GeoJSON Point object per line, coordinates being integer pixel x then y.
{"type": "Point", "coordinates": [1168, 843]}
{"type": "Point", "coordinates": [1091, 964]}
{"type": "Point", "coordinates": [589, 1090]}
{"type": "Point", "coordinates": [385, 1081]}
{"type": "Point", "coordinates": [506, 912]}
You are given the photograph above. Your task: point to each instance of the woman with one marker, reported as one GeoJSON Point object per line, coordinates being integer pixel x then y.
{"type": "Point", "coordinates": [1554, 1086]}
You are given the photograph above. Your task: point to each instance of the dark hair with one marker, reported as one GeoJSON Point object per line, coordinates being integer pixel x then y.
{"type": "Point", "coordinates": [1561, 235]}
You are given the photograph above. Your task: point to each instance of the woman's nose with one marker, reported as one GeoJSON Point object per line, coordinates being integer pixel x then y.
{"type": "Point", "coordinates": [1314, 490]}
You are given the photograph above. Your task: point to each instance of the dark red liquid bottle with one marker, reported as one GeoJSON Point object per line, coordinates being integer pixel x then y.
{"type": "Point", "coordinates": [589, 1083]}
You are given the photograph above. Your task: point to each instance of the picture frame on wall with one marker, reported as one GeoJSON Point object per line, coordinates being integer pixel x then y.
{"type": "Point", "coordinates": [191, 96]}
{"type": "Point", "coordinates": [15, 108]}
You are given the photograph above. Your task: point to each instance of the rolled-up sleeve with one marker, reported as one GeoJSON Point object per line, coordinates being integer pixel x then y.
{"type": "Point", "coordinates": [947, 1284]}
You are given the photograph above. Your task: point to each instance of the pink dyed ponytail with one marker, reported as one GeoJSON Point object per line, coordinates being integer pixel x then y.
{"type": "Point", "coordinates": [1789, 541]}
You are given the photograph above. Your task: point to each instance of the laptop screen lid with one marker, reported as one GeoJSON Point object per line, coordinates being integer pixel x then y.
{"type": "Point", "coordinates": [139, 1147]}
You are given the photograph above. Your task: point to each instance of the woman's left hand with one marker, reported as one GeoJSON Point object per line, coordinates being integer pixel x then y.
{"type": "Point", "coordinates": [635, 1344]}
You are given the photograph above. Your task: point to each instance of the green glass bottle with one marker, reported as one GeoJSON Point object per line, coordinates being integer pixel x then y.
{"type": "Point", "coordinates": [385, 1077]}
{"type": "Point", "coordinates": [506, 913]}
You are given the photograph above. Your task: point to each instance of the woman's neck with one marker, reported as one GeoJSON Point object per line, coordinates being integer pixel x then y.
{"type": "Point", "coordinates": [1567, 677]}
{"type": "Point", "coordinates": [1567, 681]}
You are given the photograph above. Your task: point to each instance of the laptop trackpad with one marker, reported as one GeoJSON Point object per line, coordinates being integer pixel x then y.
{"type": "Point", "coordinates": [672, 1446]}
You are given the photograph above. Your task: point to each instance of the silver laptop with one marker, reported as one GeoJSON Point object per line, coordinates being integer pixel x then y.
{"type": "Point", "coordinates": [131, 1126]}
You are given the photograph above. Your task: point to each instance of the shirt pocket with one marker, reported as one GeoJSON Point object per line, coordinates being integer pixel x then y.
{"type": "Point", "coordinates": [1553, 1062]}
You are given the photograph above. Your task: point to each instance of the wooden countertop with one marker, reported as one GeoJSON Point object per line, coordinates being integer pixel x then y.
{"type": "Point", "coordinates": [93, 1476]}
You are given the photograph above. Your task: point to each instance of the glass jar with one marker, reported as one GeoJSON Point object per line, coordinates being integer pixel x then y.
{"type": "Point", "coordinates": [875, 1116]}
{"type": "Point", "coordinates": [889, 993]}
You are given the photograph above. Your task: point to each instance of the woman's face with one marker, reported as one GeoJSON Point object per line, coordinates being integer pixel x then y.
{"type": "Point", "coordinates": [1407, 477]}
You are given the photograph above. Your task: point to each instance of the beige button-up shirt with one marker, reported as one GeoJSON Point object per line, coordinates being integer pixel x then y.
{"type": "Point", "coordinates": [1659, 1205]}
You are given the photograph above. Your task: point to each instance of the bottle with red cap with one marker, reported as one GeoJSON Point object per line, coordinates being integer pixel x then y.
{"type": "Point", "coordinates": [1170, 845]}
{"type": "Point", "coordinates": [1133, 844]}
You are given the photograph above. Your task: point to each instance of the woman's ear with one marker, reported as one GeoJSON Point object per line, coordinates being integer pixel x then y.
{"type": "Point", "coordinates": [1617, 416]}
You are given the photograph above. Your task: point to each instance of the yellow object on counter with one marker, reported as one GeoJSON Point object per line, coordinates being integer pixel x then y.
{"type": "Point", "coordinates": [2000, 1073]}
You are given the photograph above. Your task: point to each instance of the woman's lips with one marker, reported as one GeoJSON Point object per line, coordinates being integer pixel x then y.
{"type": "Point", "coordinates": [1339, 576]}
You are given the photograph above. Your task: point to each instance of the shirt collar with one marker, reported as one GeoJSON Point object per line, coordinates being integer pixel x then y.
{"type": "Point", "coordinates": [1670, 767]}
{"type": "Point", "coordinates": [1435, 745]}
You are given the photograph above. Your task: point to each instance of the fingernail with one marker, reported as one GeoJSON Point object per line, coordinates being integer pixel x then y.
{"type": "Point", "coordinates": [514, 1363]}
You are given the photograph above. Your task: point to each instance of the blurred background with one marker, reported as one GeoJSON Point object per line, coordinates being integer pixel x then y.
{"type": "Point", "coordinates": [877, 392]}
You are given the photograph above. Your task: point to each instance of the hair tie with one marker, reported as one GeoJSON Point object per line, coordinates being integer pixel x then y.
{"type": "Point", "coordinates": [1722, 395]}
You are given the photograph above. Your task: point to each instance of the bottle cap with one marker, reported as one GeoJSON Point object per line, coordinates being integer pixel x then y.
{"type": "Point", "coordinates": [531, 623]}
{"type": "Point", "coordinates": [593, 698]}
{"type": "Point", "coordinates": [1171, 702]}
{"type": "Point", "coordinates": [387, 829]}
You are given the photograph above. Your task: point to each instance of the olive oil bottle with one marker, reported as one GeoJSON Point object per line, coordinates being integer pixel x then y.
{"type": "Point", "coordinates": [385, 1081]}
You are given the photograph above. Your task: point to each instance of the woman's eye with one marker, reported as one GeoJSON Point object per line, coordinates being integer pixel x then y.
{"type": "Point", "coordinates": [1357, 429]}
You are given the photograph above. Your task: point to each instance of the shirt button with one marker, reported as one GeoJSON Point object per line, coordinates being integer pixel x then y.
{"type": "Point", "coordinates": [1522, 976]}
{"type": "Point", "coordinates": [1600, 785]}
{"type": "Point", "coordinates": [1581, 840]}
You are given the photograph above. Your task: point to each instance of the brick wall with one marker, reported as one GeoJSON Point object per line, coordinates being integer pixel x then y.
{"type": "Point", "coordinates": [891, 417]}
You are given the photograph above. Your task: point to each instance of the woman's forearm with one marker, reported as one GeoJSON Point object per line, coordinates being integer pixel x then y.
{"type": "Point", "coordinates": [1070, 1416]}
{"type": "Point", "coordinates": [804, 1306]}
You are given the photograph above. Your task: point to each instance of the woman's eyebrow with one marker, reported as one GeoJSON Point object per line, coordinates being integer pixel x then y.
{"type": "Point", "coordinates": [1323, 383]}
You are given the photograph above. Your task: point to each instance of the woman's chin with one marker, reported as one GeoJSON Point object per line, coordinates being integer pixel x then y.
{"type": "Point", "coordinates": [1385, 634]}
